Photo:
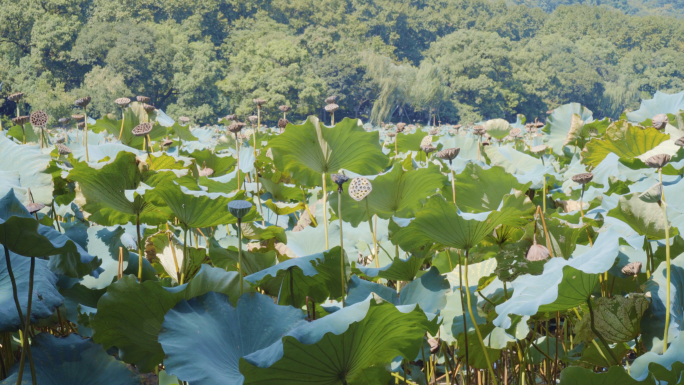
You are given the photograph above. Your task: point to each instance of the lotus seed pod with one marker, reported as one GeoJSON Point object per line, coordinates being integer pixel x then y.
{"type": "Point", "coordinates": [282, 123]}
{"type": "Point", "coordinates": [21, 120]}
{"type": "Point", "coordinates": [515, 132]}
{"type": "Point", "coordinates": [332, 107]}
{"type": "Point", "coordinates": [239, 208]}
{"type": "Point", "coordinates": [435, 345]}
{"type": "Point", "coordinates": [235, 127]}
{"type": "Point", "coordinates": [205, 171]}
{"type": "Point", "coordinates": [659, 121]}
{"type": "Point", "coordinates": [479, 130]}
{"type": "Point", "coordinates": [259, 102]}
{"type": "Point", "coordinates": [339, 179]}
{"type": "Point", "coordinates": [39, 118]}
{"type": "Point", "coordinates": [583, 178]}
{"type": "Point", "coordinates": [62, 149]}
{"type": "Point", "coordinates": [539, 124]}
{"type": "Point", "coordinates": [457, 127]}
{"type": "Point", "coordinates": [252, 118]}
{"type": "Point", "coordinates": [284, 108]}
{"type": "Point", "coordinates": [391, 134]}
{"type": "Point", "coordinates": [549, 112]}
{"type": "Point", "coordinates": [331, 99]}
{"type": "Point", "coordinates": [34, 207]}
{"type": "Point", "coordinates": [538, 149]}
{"type": "Point", "coordinates": [64, 121]}
{"type": "Point", "coordinates": [426, 141]}
{"type": "Point", "coordinates": [359, 188]}
{"type": "Point", "coordinates": [149, 108]}
{"type": "Point", "coordinates": [184, 119]}
{"type": "Point", "coordinates": [531, 129]}
{"type": "Point", "coordinates": [658, 161]}
{"type": "Point", "coordinates": [78, 117]}
{"type": "Point", "coordinates": [231, 117]}
{"type": "Point", "coordinates": [632, 269]}
{"type": "Point", "coordinates": [122, 102]}
{"type": "Point", "coordinates": [428, 149]}
{"type": "Point", "coordinates": [142, 99]}
{"type": "Point", "coordinates": [411, 127]}
{"type": "Point", "coordinates": [680, 142]}
{"type": "Point", "coordinates": [83, 102]}
{"type": "Point", "coordinates": [449, 154]}
{"type": "Point", "coordinates": [400, 127]}
{"type": "Point", "coordinates": [80, 125]}
{"type": "Point", "coordinates": [453, 132]}
{"type": "Point", "coordinates": [142, 129]}
{"type": "Point", "coordinates": [166, 142]}
{"type": "Point", "coordinates": [434, 131]}
{"type": "Point", "coordinates": [537, 253]}
{"type": "Point", "coordinates": [16, 97]}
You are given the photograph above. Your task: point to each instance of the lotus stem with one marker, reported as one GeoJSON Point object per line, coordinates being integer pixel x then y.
{"type": "Point", "coordinates": [292, 296]}
{"type": "Point", "coordinates": [339, 215]}
{"type": "Point", "coordinates": [477, 329]}
{"type": "Point", "coordinates": [591, 243]}
{"type": "Point", "coordinates": [25, 341]}
{"type": "Point", "coordinates": [237, 154]}
{"type": "Point", "coordinates": [370, 223]}
{"type": "Point", "coordinates": [55, 217]}
{"type": "Point", "coordinates": [325, 212]}
{"type": "Point", "coordinates": [396, 146]}
{"type": "Point", "coordinates": [258, 197]}
{"type": "Point", "coordinates": [123, 119]}
{"type": "Point", "coordinates": [119, 272]}
{"type": "Point", "coordinates": [332, 118]}
{"type": "Point", "coordinates": [544, 194]}
{"type": "Point", "coordinates": [257, 129]}
{"type": "Point", "coordinates": [173, 251]}
{"type": "Point", "coordinates": [463, 311]}
{"type": "Point", "coordinates": [603, 341]}
{"type": "Point", "coordinates": [663, 205]}
{"type": "Point", "coordinates": [239, 233]}
{"type": "Point", "coordinates": [85, 128]}
{"type": "Point", "coordinates": [453, 182]}
{"type": "Point", "coordinates": [546, 232]}
{"type": "Point", "coordinates": [140, 249]}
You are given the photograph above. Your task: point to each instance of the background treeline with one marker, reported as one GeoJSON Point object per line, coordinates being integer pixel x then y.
{"type": "Point", "coordinates": [386, 59]}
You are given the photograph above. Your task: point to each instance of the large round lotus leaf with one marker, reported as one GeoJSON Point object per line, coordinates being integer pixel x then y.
{"type": "Point", "coordinates": [46, 297]}
{"type": "Point", "coordinates": [671, 360]}
{"type": "Point", "coordinates": [398, 270]}
{"type": "Point", "coordinates": [497, 128]}
{"type": "Point", "coordinates": [72, 360]}
{"type": "Point", "coordinates": [409, 142]}
{"type": "Point", "coordinates": [662, 103]}
{"type": "Point", "coordinates": [218, 334]}
{"type": "Point", "coordinates": [645, 218]}
{"type": "Point", "coordinates": [221, 164]}
{"type": "Point", "coordinates": [396, 193]}
{"type": "Point", "coordinates": [559, 124]}
{"type": "Point", "coordinates": [624, 140]}
{"type": "Point", "coordinates": [353, 345]}
{"type": "Point", "coordinates": [29, 163]}
{"type": "Point", "coordinates": [310, 149]}
{"type": "Point", "coordinates": [514, 162]}
{"type": "Point", "coordinates": [129, 316]}
{"type": "Point", "coordinates": [228, 259]}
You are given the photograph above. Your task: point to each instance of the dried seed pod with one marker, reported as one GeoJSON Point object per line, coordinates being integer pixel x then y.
{"type": "Point", "coordinates": [549, 112]}
{"type": "Point", "coordinates": [391, 134]}
{"type": "Point", "coordinates": [331, 99]}
{"type": "Point", "coordinates": [632, 269]}
{"type": "Point", "coordinates": [426, 141]}
{"type": "Point", "coordinates": [142, 99]}
{"type": "Point", "coordinates": [434, 131]}
{"type": "Point", "coordinates": [411, 127]}
{"type": "Point", "coordinates": [21, 120]}
{"type": "Point", "coordinates": [537, 253]}
{"type": "Point", "coordinates": [78, 117]}
{"type": "Point", "coordinates": [331, 107]}
{"type": "Point", "coordinates": [149, 108]}
{"type": "Point", "coordinates": [284, 108]}
{"type": "Point", "coordinates": [401, 127]}
{"type": "Point", "coordinates": [64, 121]}
{"type": "Point", "coordinates": [428, 149]}
{"type": "Point", "coordinates": [34, 207]}
{"type": "Point", "coordinates": [60, 139]}
{"type": "Point", "coordinates": [515, 132]}
{"type": "Point", "coordinates": [80, 125]}
{"type": "Point", "coordinates": [83, 102]}
{"type": "Point", "coordinates": [659, 121]}
{"type": "Point", "coordinates": [680, 142]}
{"type": "Point", "coordinates": [166, 142]}
{"type": "Point", "coordinates": [658, 161]}
{"type": "Point", "coordinates": [435, 344]}
{"type": "Point", "coordinates": [339, 179]}
{"type": "Point", "coordinates": [282, 122]}
{"type": "Point", "coordinates": [62, 149]}
{"type": "Point", "coordinates": [142, 129]}
{"type": "Point", "coordinates": [531, 129]}
{"type": "Point", "coordinates": [252, 118]}
{"type": "Point", "coordinates": [239, 208]}
{"type": "Point", "coordinates": [16, 97]}
{"type": "Point", "coordinates": [205, 171]}
{"type": "Point", "coordinates": [259, 102]}
{"type": "Point", "coordinates": [359, 188]}
{"type": "Point", "coordinates": [184, 119]}
{"type": "Point", "coordinates": [457, 127]}
{"type": "Point", "coordinates": [583, 178]}
{"type": "Point", "coordinates": [479, 130]}
{"type": "Point", "coordinates": [449, 154]}
{"type": "Point", "coordinates": [539, 124]}
{"type": "Point", "coordinates": [236, 127]}
{"type": "Point", "coordinates": [231, 117]}
{"type": "Point", "coordinates": [39, 118]}
{"type": "Point", "coordinates": [538, 149]}
{"type": "Point", "coordinates": [122, 102]}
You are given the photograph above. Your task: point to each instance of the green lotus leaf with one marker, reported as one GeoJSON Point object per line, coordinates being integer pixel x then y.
{"type": "Point", "coordinates": [310, 149]}
{"type": "Point", "coordinates": [617, 319]}
{"type": "Point", "coordinates": [398, 270]}
{"type": "Point", "coordinates": [32, 134]}
{"type": "Point", "coordinates": [476, 355]}
{"type": "Point", "coordinates": [497, 128]}
{"type": "Point", "coordinates": [169, 252]}
{"type": "Point", "coordinates": [559, 124]}
{"type": "Point", "coordinates": [73, 360]}
{"type": "Point", "coordinates": [316, 276]}
{"type": "Point", "coordinates": [254, 231]}
{"type": "Point", "coordinates": [624, 140]}
{"type": "Point", "coordinates": [512, 161]}
{"type": "Point", "coordinates": [281, 191]}
{"type": "Point", "coordinates": [545, 347]}
{"type": "Point", "coordinates": [280, 208]}
{"type": "Point", "coordinates": [226, 184]}
{"type": "Point", "coordinates": [220, 334]}
{"type": "Point", "coordinates": [130, 315]}
{"type": "Point", "coordinates": [652, 363]}
{"type": "Point", "coordinates": [76, 299]}
{"type": "Point", "coordinates": [410, 142]}
{"type": "Point", "coordinates": [164, 161]}
{"type": "Point", "coordinates": [46, 297]}
{"type": "Point", "coordinates": [27, 165]}
{"type": "Point", "coordinates": [645, 218]}
{"type": "Point", "coordinates": [112, 125]}
{"type": "Point", "coordinates": [396, 193]}
{"type": "Point", "coordinates": [575, 375]}
{"type": "Point", "coordinates": [311, 353]}
{"type": "Point", "coordinates": [227, 259]}
{"type": "Point", "coordinates": [439, 222]}
{"type": "Point", "coordinates": [662, 103]}
{"type": "Point", "coordinates": [221, 164]}
{"type": "Point", "coordinates": [182, 132]}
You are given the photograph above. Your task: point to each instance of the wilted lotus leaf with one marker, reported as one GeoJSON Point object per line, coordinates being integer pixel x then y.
{"type": "Point", "coordinates": [21, 120]}
{"type": "Point", "coordinates": [252, 118]}
{"type": "Point", "coordinates": [331, 99]}
{"type": "Point", "coordinates": [34, 207]}
{"type": "Point", "coordinates": [259, 102]}
{"type": "Point", "coordinates": [78, 117]}
{"type": "Point", "coordinates": [284, 108]}
{"type": "Point", "coordinates": [539, 149]}
{"type": "Point", "coordinates": [428, 149]}
{"type": "Point", "coordinates": [514, 133]}
{"type": "Point", "coordinates": [617, 319]}
{"type": "Point", "coordinates": [236, 127]}
{"type": "Point", "coordinates": [449, 154]}
{"type": "Point", "coordinates": [632, 268]}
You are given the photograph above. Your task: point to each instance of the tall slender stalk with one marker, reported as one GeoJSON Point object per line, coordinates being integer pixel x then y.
{"type": "Point", "coordinates": [25, 341]}
{"type": "Point", "coordinates": [140, 249]}
{"type": "Point", "coordinates": [85, 129]}
{"type": "Point", "coordinates": [663, 205]}
{"type": "Point", "coordinates": [123, 119]}
{"type": "Point", "coordinates": [237, 154]}
{"type": "Point", "coordinates": [325, 212]}
{"type": "Point", "coordinates": [240, 265]}
{"type": "Point", "coordinates": [257, 129]}
{"type": "Point", "coordinates": [375, 242]}
{"type": "Point", "coordinates": [339, 215]}
{"type": "Point", "coordinates": [465, 324]}
{"type": "Point", "coordinates": [185, 254]}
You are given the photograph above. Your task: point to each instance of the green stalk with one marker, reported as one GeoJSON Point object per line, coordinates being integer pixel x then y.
{"type": "Point", "coordinates": [339, 214]}
{"type": "Point", "coordinates": [325, 212]}
{"type": "Point", "coordinates": [237, 154]}
{"type": "Point", "coordinates": [332, 119]}
{"type": "Point", "coordinates": [140, 256]}
{"type": "Point", "coordinates": [85, 128]}
{"type": "Point", "coordinates": [663, 205]}
{"type": "Point", "coordinates": [123, 119]}
{"type": "Point", "coordinates": [370, 223]}
{"type": "Point", "coordinates": [453, 182]}
{"type": "Point", "coordinates": [185, 254]}
{"type": "Point", "coordinates": [257, 129]}
{"type": "Point", "coordinates": [239, 231]}
{"type": "Point", "coordinates": [465, 327]}
{"type": "Point", "coordinates": [25, 341]}
{"type": "Point", "coordinates": [477, 329]}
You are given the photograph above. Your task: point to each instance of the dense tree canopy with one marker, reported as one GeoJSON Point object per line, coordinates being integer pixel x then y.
{"type": "Point", "coordinates": [386, 59]}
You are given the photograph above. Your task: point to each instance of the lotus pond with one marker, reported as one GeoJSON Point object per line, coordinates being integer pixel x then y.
{"type": "Point", "coordinates": [139, 249]}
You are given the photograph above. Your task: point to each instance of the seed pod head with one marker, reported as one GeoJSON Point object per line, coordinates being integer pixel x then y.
{"type": "Point", "coordinates": [479, 130]}
{"type": "Point", "coordinates": [331, 99]}
{"type": "Point", "coordinates": [659, 121]}
{"type": "Point", "coordinates": [359, 188]}
{"type": "Point", "coordinates": [282, 123]}
{"type": "Point", "coordinates": [252, 118]}
{"type": "Point", "coordinates": [680, 142]}
{"type": "Point", "coordinates": [339, 179]}
{"type": "Point", "coordinates": [259, 102]}
{"type": "Point", "coordinates": [331, 107]}
{"type": "Point", "coordinates": [62, 149]}
{"type": "Point", "coordinates": [539, 124]}
{"type": "Point", "coordinates": [166, 142]}
{"type": "Point", "coordinates": [149, 108]}
{"type": "Point", "coordinates": [434, 131]}
{"type": "Point", "coordinates": [632, 269]}
{"type": "Point", "coordinates": [449, 154]}
{"type": "Point", "coordinates": [184, 119]}
{"type": "Point", "coordinates": [426, 141]}
{"type": "Point", "coordinates": [78, 117]}
{"type": "Point", "coordinates": [235, 127]}
{"type": "Point", "coordinates": [530, 129]}
{"type": "Point", "coordinates": [428, 149]}
{"type": "Point", "coordinates": [537, 253]}
{"type": "Point", "coordinates": [284, 108]}
{"type": "Point", "coordinates": [80, 125]}
{"type": "Point", "coordinates": [21, 120]}
{"type": "Point", "coordinates": [411, 127]}
{"type": "Point", "coordinates": [391, 134]}
{"type": "Point", "coordinates": [549, 112]}
{"type": "Point", "coordinates": [142, 129]}
{"type": "Point", "coordinates": [658, 161]}
{"type": "Point", "coordinates": [142, 99]}
{"type": "Point", "coordinates": [122, 102]}
{"type": "Point", "coordinates": [401, 126]}
{"type": "Point", "coordinates": [583, 178]}
{"type": "Point", "coordinates": [16, 97]}
{"type": "Point", "coordinates": [538, 149]}
{"type": "Point", "coordinates": [231, 117]}
{"type": "Point", "coordinates": [34, 207]}
{"type": "Point", "coordinates": [239, 208]}
{"type": "Point", "coordinates": [39, 118]}
{"type": "Point", "coordinates": [64, 121]}
{"type": "Point", "coordinates": [83, 102]}
{"type": "Point", "coordinates": [514, 133]}
{"type": "Point", "coordinates": [457, 127]}
{"type": "Point", "coordinates": [205, 171]}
